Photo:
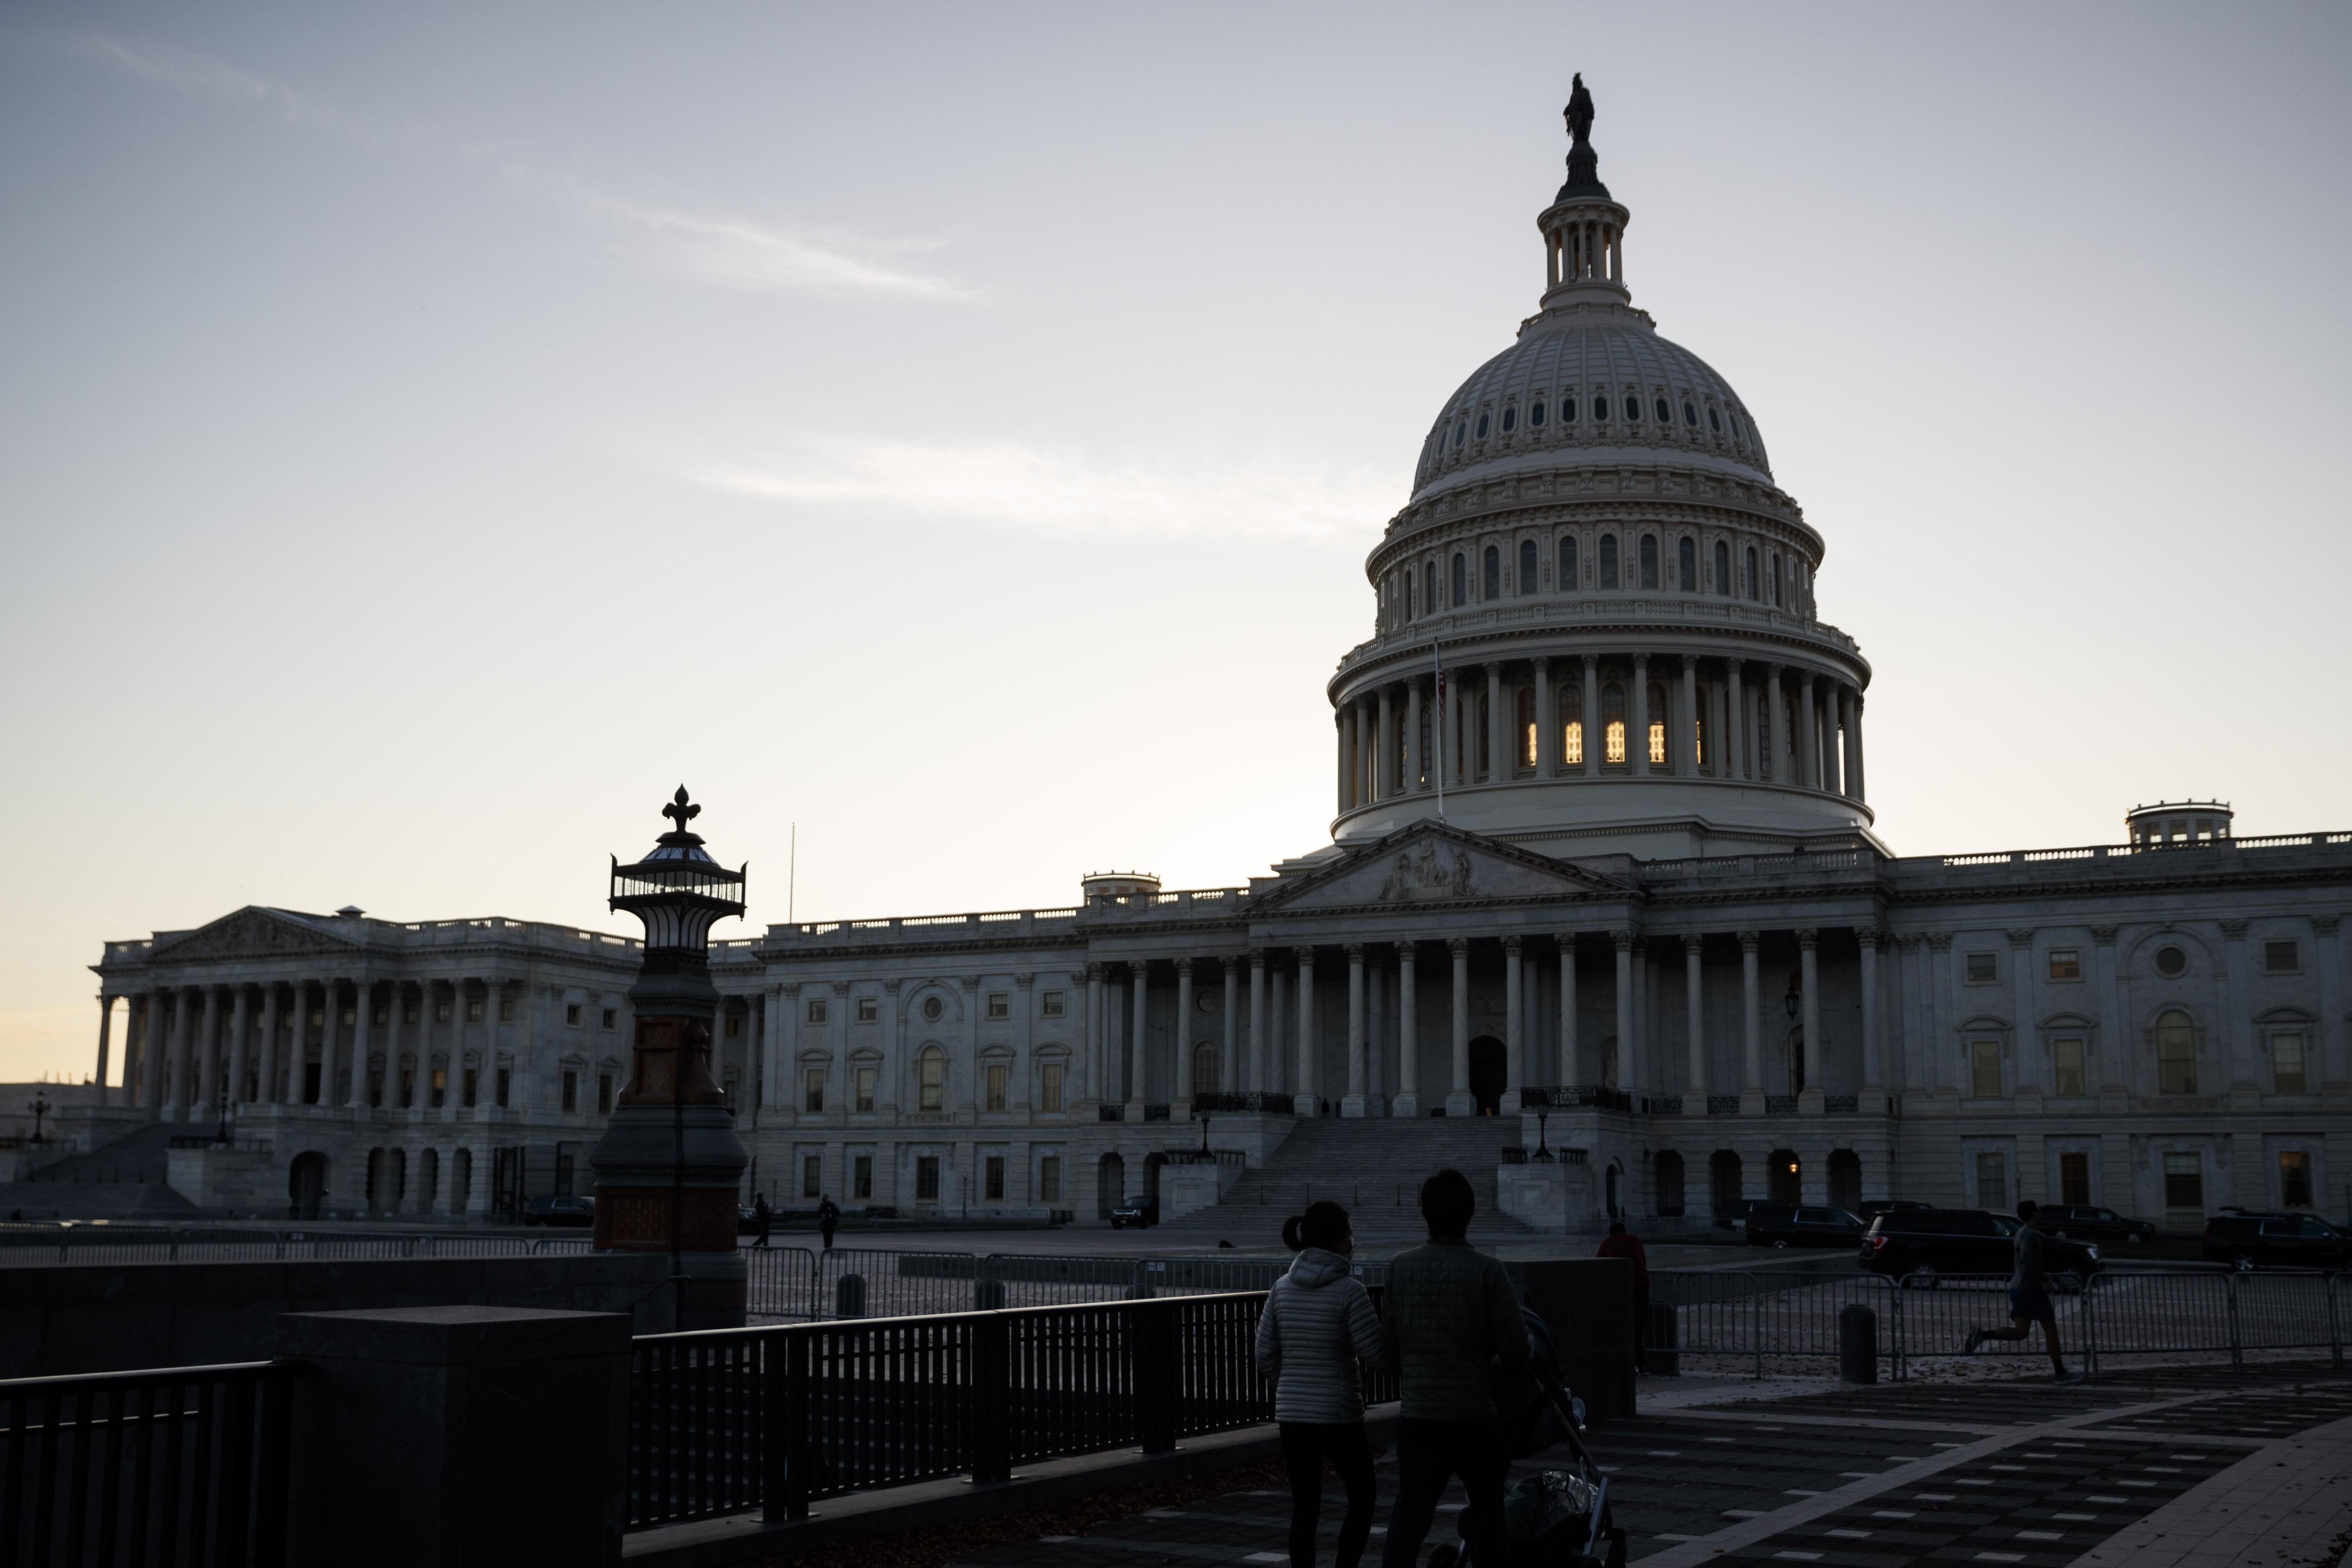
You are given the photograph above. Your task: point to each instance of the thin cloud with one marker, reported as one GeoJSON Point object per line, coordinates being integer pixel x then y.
{"type": "Point", "coordinates": [723, 250]}
{"type": "Point", "coordinates": [1057, 491]}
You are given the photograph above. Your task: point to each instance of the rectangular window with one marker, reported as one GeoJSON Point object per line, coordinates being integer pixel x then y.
{"type": "Point", "coordinates": [1049, 1087]}
{"type": "Point", "coordinates": [380, 1016]}
{"type": "Point", "coordinates": [612, 1018]}
{"type": "Point", "coordinates": [571, 1089]}
{"type": "Point", "coordinates": [861, 1176]}
{"type": "Point", "coordinates": [2184, 1183]}
{"type": "Point", "coordinates": [505, 1011]}
{"type": "Point", "coordinates": [375, 1088]}
{"type": "Point", "coordinates": [1992, 1182]}
{"type": "Point", "coordinates": [2281, 958]}
{"type": "Point", "coordinates": [811, 1176]}
{"type": "Point", "coordinates": [571, 1014]}
{"type": "Point", "coordinates": [1571, 741]}
{"type": "Point", "coordinates": [408, 1087]}
{"type": "Point", "coordinates": [473, 1012]}
{"type": "Point", "coordinates": [869, 1009]}
{"type": "Point", "coordinates": [865, 1101]}
{"type": "Point", "coordinates": [1984, 968]}
{"type": "Point", "coordinates": [997, 1074]}
{"type": "Point", "coordinates": [994, 1188]}
{"type": "Point", "coordinates": [440, 1086]}
{"type": "Point", "coordinates": [505, 1085]}
{"type": "Point", "coordinates": [408, 1013]}
{"type": "Point", "coordinates": [2067, 1063]}
{"type": "Point", "coordinates": [1000, 1005]}
{"type": "Point", "coordinates": [2295, 1180]}
{"type": "Point", "coordinates": [812, 1092]}
{"type": "Point", "coordinates": [1050, 1005]}
{"type": "Point", "coordinates": [816, 1010]}
{"type": "Point", "coordinates": [2065, 963]}
{"type": "Point", "coordinates": [470, 1087]}
{"type": "Point", "coordinates": [1984, 1069]}
{"type": "Point", "coordinates": [603, 1095]}
{"type": "Point", "coordinates": [1049, 1179]}
{"type": "Point", "coordinates": [351, 1016]}
{"type": "Point", "coordinates": [2075, 1179]}
{"type": "Point", "coordinates": [734, 1026]}
{"type": "Point", "coordinates": [440, 1013]}
{"type": "Point", "coordinates": [2286, 1064]}
{"type": "Point", "coordinates": [927, 1179]}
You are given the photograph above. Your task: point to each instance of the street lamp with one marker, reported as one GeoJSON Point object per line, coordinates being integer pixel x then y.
{"type": "Point", "coordinates": [39, 1107]}
{"type": "Point", "coordinates": [1541, 1153]}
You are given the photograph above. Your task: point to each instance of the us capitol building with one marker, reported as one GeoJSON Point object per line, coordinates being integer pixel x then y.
{"type": "Point", "coordinates": [1603, 880]}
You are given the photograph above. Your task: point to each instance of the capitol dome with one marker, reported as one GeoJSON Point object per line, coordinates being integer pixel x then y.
{"type": "Point", "coordinates": [1595, 630]}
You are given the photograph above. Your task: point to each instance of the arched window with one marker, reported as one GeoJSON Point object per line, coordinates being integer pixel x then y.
{"type": "Point", "coordinates": [1205, 1069]}
{"type": "Point", "coordinates": [1429, 575]}
{"type": "Point", "coordinates": [1491, 579]}
{"type": "Point", "coordinates": [1649, 560]}
{"type": "Point", "coordinates": [931, 1079]}
{"type": "Point", "coordinates": [1510, 419]}
{"type": "Point", "coordinates": [1632, 406]}
{"type": "Point", "coordinates": [1723, 569]}
{"type": "Point", "coordinates": [1612, 719]}
{"type": "Point", "coordinates": [2175, 1053]}
{"type": "Point", "coordinates": [1406, 577]}
{"type": "Point", "coordinates": [1482, 427]}
{"type": "Point", "coordinates": [1566, 562]}
{"type": "Point", "coordinates": [1461, 579]}
{"type": "Point", "coordinates": [1665, 415]}
{"type": "Point", "coordinates": [1752, 571]}
{"type": "Point", "coordinates": [1776, 579]}
{"type": "Point", "coordinates": [1713, 420]}
{"type": "Point", "coordinates": [1534, 416]}
{"type": "Point", "coordinates": [1567, 410]}
{"type": "Point", "coordinates": [1527, 573]}
{"type": "Point", "coordinates": [1657, 724]}
{"type": "Point", "coordinates": [1460, 431]}
{"type": "Point", "coordinates": [1572, 726]}
{"type": "Point", "coordinates": [1527, 752]}
{"type": "Point", "coordinates": [1690, 413]}
{"type": "Point", "coordinates": [1686, 556]}
{"type": "Point", "coordinates": [1600, 409]}
{"type": "Point", "coordinates": [1608, 560]}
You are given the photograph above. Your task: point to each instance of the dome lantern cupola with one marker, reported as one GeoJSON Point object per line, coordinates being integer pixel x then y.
{"type": "Point", "coordinates": [1583, 229]}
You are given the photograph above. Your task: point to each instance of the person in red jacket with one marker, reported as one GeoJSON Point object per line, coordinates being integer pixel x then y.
{"type": "Point", "coordinates": [1622, 1243]}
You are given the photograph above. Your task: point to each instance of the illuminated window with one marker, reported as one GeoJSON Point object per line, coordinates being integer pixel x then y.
{"type": "Point", "coordinates": [440, 1013]}
{"type": "Point", "coordinates": [2065, 963]}
{"type": "Point", "coordinates": [863, 1103]}
{"type": "Point", "coordinates": [1608, 560]}
{"type": "Point", "coordinates": [2295, 1180]}
{"type": "Point", "coordinates": [1566, 562]}
{"type": "Point", "coordinates": [2175, 1053]}
{"type": "Point", "coordinates": [1527, 752]}
{"type": "Point", "coordinates": [1461, 579]}
{"type": "Point", "coordinates": [1049, 1178]}
{"type": "Point", "coordinates": [993, 1172]}
{"type": "Point", "coordinates": [1657, 720]}
{"type": "Point", "coordinates": [2075, 1179]}
{"type": "Point", "coordinates": [1529, 575]}
{"type": "Point", "coordinates": [1992, 1182]}
{"type": "Point", "coordinates": [927, 1179]}
{"type": "Point", "coordinates": [2066, 1066]}
{"type": "Point", "coordinates": [1723, 569]}
{"type": "Point", "coordinates": [816, 1010]}
{"type": "Point", "coordinates": [734, 1026]}
{"type": "Point", "coordinates": [1649, 560]}
{"type": "Point", "coordinates": [2286, 1063]}
{"type": "Point", "coordinates": [1491, 579]}
{"type": "Point", "coordinates": [1984, 1068]}
{"type": "Point", "coordinates": [1049, 1087]}
{"type": "Point", "coordinates": [1572, 726]}
{"type": "Point", "coordinates": [997, 1074]}
{"type": "Point", "coordinates": [440, 1084]}
{"type": "Point", "coordinates": [861, 1176]}
{"type": "Point", "coordinates": [473, 1012]}
{"type": "Point", "coordinates": [813, 1091]}
{"type": "Point", "coordinates": [1686, 556]}
{"type": "Point", "coordinates": [931, 1079]}
{"type": "Point", "coordinates": [869, 1009]}
{"type": "Point", "coordinates": [1613, 721]}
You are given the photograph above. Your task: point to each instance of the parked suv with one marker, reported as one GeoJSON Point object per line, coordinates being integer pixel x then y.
{"type": "Point", "coordinates": [2084, 1222]}
{"type": "Point", "coordinates": [1919, 1246]}
{"type": "Point", "coordinates": [1140, 1212]}
{"type": "Point", "coordinates": [1872, 1208]}
{"type": "Point", "coordinates": [1787, 1225]}
{"type": "Point", "coordinates": [549, 1210]}
{"type": "Point", "coordinates": [2254, 1238]}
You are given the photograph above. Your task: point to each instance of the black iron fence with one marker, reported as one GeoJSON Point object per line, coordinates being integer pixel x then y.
{"type": "Point", "coordinates": [224, 1244]}
{"type": "Point", "coordinates": [180, 1465]}
{"type": "Point", "coordinates": [729, 1420]}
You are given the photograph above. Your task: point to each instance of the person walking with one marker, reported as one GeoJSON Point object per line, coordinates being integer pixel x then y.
{"type": "Point", "coordinates": [828, 1216]}
{"type": "Point", "coordinates": [762, 1218]}
{"type": "Point", "coordinates": [1451, 1326]}
{"type": "Point", "coordinates": [1622, 1243]}
{"type": "Point", "coordinates": [2028, 1298]}
{"type": "Point", "coordinates": [1317, 1326]}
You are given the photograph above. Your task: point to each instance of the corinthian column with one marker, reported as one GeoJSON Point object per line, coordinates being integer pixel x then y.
{"type": "Point", "coordinates": [1514, 1022]}
{"type": "Point", "coordinates": [1408, 1097]}
{"type": "Point", "coordinates": [1308, 1091]}
{"type": "Point", "coordinates": [1458, 1101]}
{"type": "Point", "coordinates": [1682, 750]}
{"type": "Point", "coordinates": [1352, 1105]}
{"type": "Point", "coordinates": [1547, 723]}
{"type": "Point", "coordinates": [1752, 1020]}
{"type": "Point", "coordinates": [1694, 1091]}
{"type": "Point", "coordinates": [1637, 744]}
{"type": "Point", "coordinates": [1595, 733]}
{"type": "Point", "coordinates": [1811, 965]}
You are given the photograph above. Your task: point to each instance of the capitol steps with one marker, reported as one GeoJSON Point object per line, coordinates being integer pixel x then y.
{"type": "Point", "coordinates": [1375, 1167]}
{"type": "Point", "coordinates": [124, 1179]}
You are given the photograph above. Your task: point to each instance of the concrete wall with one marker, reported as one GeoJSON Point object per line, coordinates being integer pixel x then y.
{"type": "Point", "coordinates": [72, 1318]}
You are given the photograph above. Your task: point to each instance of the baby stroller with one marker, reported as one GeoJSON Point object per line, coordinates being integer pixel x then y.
{"type": "Point", "coordinates": [1553, 1518]}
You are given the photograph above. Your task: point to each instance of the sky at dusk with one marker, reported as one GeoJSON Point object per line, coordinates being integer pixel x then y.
{"type": "Point", "coordinates": [430, 433]}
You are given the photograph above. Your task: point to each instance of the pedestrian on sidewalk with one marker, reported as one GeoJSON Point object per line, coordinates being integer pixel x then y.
{"type": "Point", "coordinates": [1622, 1243]}
{"type": "Point", "coordinates": [1316, 1327]}
{"type": "Point", "coordinates": [762, 1218]}
{"type": "Point", "coordinates": [2028, 1298]}
{"type": "Point", "coordinates": [1452, 1327]}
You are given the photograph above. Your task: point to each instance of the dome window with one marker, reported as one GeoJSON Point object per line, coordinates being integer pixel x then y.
{"type": "Point", "coordinates": [1567, 410]}
{"type": "Point", "coordinates": [1608, 560]}
{"type": "Point", "coordinates": [1751, 573]}
{"type": "Point", "coordinates": [1600, 408]}
{"type": "Point", "coordinates": [1686, 556]}
{"type": "Point", "coordinates": [1665, 415]}
{"type": "Point", "coordinates": [1649, 560]}
{"type": "Point", "coordinates": [1612, 719]}
{"type": "Point", "coordinates": [1534, 416]}
{"type": "Point", "coordinates": [1460, 431]}
{"type": "Point", "coordinates": [1566, 562]}
{"type": "Point", "coordinates": [1429, 598]}
{"type": "Point", "coordinates": [1482, 427]}
{"type": "Point", "coordinates": [1723, 569]}
{"type": "Point", "coordinates": [1461, 579]}
{"type": "Point", "coordinates": [1715, 420]}
{"type": "Point", "coordinates": [1527, 573]}
{"type": "Point", "coordinates": [1690, 413]}
{"type": "Point", "coordinates": [1491, 581]}
{"type": "Point", "coordinates": [1631, 407]}
{"type": "Point", "coordinates": [1510, 419]}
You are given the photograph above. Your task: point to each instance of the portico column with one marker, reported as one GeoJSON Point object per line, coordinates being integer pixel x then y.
{"type": "Point", "coordinates": [1770, 740]}
{"type": "Point", "coordinates": [1139, 998]}
{"type": "Point", "coordinates": [105, 1031]}
{"type": "Point", "coordinates": [183, 1023]}
{"type": "Point", "coordinates": [1307, 1090]}
{"type": "Point", "coordinates": [1376, 1028]}
{"type": "Point", "coordinates": [1683, 750]}
{"type": "Point", "coordinates": [1414, 771]}
{"type": "Point", "coordinates": [1624, 943]}
{"type": "Point", "coordinates": [240, 1024]}
{"type": "Point", "coordinates": [265, 1091]}
{"type": "Point", "coordinates": [1498, 754]}
{"type": "Point", "coordinates": [1353, 1103]}
{"type": "Point", "coordinates": [1566, 943]}
{"type": "Point", "coordinates": [1811, 971]}
{"type": "Point", "coordinates": [1339, 747]}
{"type": "Point", "coordinates": [1096, 1068]}
{"type": "Point", "coordinates": [1694, 1091]}
{"type": "Point", "coordinates": [1456, 743]}
{"type": "Point", "coordinates": [1852, 703]}
{"type": "Point", "coordinates": [1734, 724]}
{"type": "Point", "coordinates": [1259, 1058]}
{"type": "Point", "coordinates": [1595, 736]}
{"type": "Point", "coordinates": [1751, 1002]}
{"type": "Point", "coordinates": [1230, 1068]}
{"type": "Point", "coordinates": [1515, 1011]}
{"type": "Point", "coordinates": [1408, 1095]}
{"type": "Point", "coordinates": [1637, 745]}
{"type": "Point", "coordinates": [1181, 1070]}
{"type": "Point", "coordinates": [362, 1011]}
{"type": "Point", "coordinates": [1384, 774]}
{"type": "Point", "coordinates": [1458, 1101]}
{"type": "Point", "coordinates": [1546, 722]}
{"type": "Point", "coordinates": [1361, 773]}
{"type": "Point", "coordinates": [1808, 738]}
{"type": "Point", "coordinates": [1872, 1076]}
{"type": "Point", "coordinates": [418, 1079]}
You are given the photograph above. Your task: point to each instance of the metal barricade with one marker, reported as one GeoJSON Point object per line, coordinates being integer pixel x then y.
{"type": "Point", "coordinates": [1765, 1317]}
{"type": "Point", "coordinates": [895, 1283]}
{"type": "Point", "coordinates": [782, 1282]}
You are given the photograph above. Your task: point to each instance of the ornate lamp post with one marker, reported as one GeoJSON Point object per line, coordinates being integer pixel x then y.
{"type": "Point", "coordinates": [41, 1107]}
{"type": "Point", "coordinates": [670, 1164]}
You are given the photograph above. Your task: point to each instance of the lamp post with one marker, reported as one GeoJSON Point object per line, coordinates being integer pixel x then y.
{"type": "Point", "coordinates": [41, 1107]}
{"type": "Point", "coordinates": [1542, 1153]}
{"type": "Point", "coordinates": [669, 1165]}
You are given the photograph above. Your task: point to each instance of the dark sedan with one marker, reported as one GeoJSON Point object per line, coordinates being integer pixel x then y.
{"type": "Point", "coordinates": [1140, 1212]}
{"type": "Point", "coordinates": [1783, 1224]}
{"type": "Point", "coordinates": [1919, 1246]}
{"type": "Point", "coordinates": [2276, 1240]}
{"type": "Point", "coordinates": [553, 1210]}
{"type": "Point", "coordinates": [2088, 1222]}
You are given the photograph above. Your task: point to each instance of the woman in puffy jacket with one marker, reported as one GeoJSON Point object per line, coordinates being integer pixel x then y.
{"type": "Point", "coordinates": [1317, 1325]}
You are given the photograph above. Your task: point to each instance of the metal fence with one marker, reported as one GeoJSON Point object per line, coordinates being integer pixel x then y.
{"type": "Point", "coordinates": [180, 1465]}
{"type": "Point", "coordinates": [1770, 1319]}
{"type": "Point", "coordinates": [874, 1281]}
{"type": "Point", "coordinates": [191, 1244]}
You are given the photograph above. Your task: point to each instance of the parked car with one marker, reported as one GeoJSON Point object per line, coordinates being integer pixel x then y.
{"type": "Point", "coordinates": [1872, 1208]}
{"type": "Point", "coordinates": [550, 1209]}
{"type": "Point", "coordinates": [2087, 1222]}
{"type": "Point", "coordinates": [1140, 1212]}
{"type": "Point", "coordinates": [2256, 1239]}
{"type": "Point", "coordinates": [1919, 1246]}
{"type": "Point", "coordinates": [1786, 1224]}
{"type": "Point", "coordinates": [1735, 1213]}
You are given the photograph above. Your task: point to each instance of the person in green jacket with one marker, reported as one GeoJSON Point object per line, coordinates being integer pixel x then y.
{"type": "Point", "coordinates": [1450, 1327]}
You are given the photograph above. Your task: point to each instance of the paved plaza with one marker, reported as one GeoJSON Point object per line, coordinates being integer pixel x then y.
{"type": "Point", "coordinates": [2176, 1466]}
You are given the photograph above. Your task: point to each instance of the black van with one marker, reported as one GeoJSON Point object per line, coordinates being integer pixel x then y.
{"type": "Point", "coordinates": [2088, 1222]}
{"type": "Point", "coordinates": [2253, 1238]}
{"type": "Point", "coordinates": [1918, 1246]}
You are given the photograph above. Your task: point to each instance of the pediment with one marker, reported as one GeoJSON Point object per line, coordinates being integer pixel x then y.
{"type": "Point", "coordinates": [250, 932]}
{"type": "Point", "coordinates": [1430, 864]}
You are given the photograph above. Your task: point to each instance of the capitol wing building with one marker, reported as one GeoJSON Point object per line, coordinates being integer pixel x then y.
{"type": "Point", "coordinates": [1604, 919]}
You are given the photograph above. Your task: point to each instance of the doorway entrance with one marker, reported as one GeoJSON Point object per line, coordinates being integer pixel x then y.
{"type": "Point", "coordinates": [1787, 1177]}
{"type": "Point", "coordinates": [1846, 1180]}
{"type": "Point", "coordinates": [1489, 1071]}
{"type": "Point", "coordinates": [1110, 1184]}
{"type": "Point", "coordinates": [306, 1185]}
{"type": "Point", "coordinates": [1723, 1181]}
